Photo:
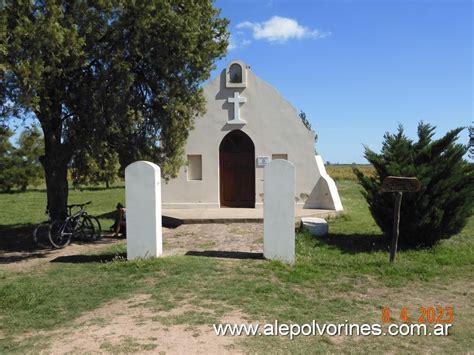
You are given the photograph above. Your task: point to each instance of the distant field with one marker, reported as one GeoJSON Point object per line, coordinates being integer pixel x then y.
{"type": "Point", "coordinates": [345, 171]}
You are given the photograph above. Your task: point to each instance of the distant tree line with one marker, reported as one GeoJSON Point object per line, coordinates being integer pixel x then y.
{"type": "Point", "coordinates": [19, 165]}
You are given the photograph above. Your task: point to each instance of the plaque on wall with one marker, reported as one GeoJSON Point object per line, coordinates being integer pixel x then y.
{"type": "Point", "coordinates": [262, 161]}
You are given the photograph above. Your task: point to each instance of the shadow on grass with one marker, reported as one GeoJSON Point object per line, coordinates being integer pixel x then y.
{"type": "Point", "coordinates": [356, 243]}
{"type": "Point", "coordinates": [18, 237]}
{"type": "Point", "coordinates": [83, 259]}
{"type": "Point", "coordinates": [103, 258]}
{"type": "Point", "coordinates": [16, 258]}
{"type": "Point", "coordinates": [226, 254]}
{"type": "Point", "coordinates": [17, 241]}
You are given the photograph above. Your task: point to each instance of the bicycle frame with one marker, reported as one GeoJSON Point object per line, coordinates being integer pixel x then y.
{"type": "Point", "coordinates": [72, 221]}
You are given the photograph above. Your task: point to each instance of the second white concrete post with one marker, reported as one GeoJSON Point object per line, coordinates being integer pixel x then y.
{"type": "Point", "coordinates": [279, 211]}
{"type": "Point", "coordinates": [143, 203]}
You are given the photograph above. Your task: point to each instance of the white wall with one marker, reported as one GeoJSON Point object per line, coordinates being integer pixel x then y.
{"type": "Point", "coordinates": [274, 127]}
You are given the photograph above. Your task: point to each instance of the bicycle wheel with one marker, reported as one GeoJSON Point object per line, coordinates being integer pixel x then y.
{"type": "Point", "coordinates": [84, 229]}
{"type": "Point", "coordinates": [60, 233]}
{"type": "Point", "coordinates": [41, 235]}
{"type": "Point", "coordinates": [97, 227]}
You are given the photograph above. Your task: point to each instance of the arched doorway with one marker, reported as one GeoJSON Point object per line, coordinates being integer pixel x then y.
{"type": "Point", "coordinates": [237, 170]}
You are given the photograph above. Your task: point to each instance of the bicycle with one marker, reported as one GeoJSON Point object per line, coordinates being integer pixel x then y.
{"type": "Point", "coordinates": [41, 233]}
{"type": "Point", "coordinates": [79, 225]}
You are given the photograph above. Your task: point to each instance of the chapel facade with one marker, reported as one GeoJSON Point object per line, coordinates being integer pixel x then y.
{"type": "Point", "coordinates": [246, 125]}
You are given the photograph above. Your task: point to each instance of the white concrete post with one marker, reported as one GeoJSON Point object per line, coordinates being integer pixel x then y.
{"type": "Point", "coordinates": [143, 203]}
{"type": "Point", "coordinates": [279, 211]}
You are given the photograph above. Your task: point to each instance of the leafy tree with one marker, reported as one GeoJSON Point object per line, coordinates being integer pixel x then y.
{"type": "Point", "coordinates": [7, 160]}
{"type": "Point", "coordinates": [117, 71]}
{"type": "Point", "coordinates": [30, 148]}
{"type": "Point", "coordinates": [446, 199]}
{"type": "Point", "coordinates": [98, 166]}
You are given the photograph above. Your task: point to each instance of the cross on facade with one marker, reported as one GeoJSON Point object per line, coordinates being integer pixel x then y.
{"type": "Point", "coordinates": [236, 100]}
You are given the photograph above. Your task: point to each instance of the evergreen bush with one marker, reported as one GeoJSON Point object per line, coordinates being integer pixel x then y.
{"type": "Point", "coordinates": [443, 205]}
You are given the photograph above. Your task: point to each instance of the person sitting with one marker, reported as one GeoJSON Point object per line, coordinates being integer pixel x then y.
{"type": "Point", "coordinates": [120, 221]}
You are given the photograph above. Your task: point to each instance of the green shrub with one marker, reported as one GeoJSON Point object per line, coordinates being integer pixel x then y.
{"type": "Point", "coordinates": [446, 198]}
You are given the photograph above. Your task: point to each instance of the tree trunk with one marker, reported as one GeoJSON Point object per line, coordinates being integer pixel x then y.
{"type": "Point", "coordinates": [55, 161]}
{"type": "Point", "coordinates": [55, 168]}
{"type": "Point", "coordinates": [107, 184]}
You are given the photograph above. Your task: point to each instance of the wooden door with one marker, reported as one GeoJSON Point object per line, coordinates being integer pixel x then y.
{"type": "Point", "coordinates": [237, 170]}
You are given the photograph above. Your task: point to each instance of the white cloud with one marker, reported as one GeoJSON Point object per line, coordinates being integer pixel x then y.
{"type": "Point", "coordinates": [236, 42]}
{"type": "Point", "coordinates": [269, 3]}
{"type": "Point", "coordinates": [281, 29]}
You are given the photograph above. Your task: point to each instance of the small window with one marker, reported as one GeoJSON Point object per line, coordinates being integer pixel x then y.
{"type": "Point", "coordinates": [236, 75]}
{"type": "Point", "coordinates": [280, 156]}
{"type": "Point", "coordinates": [194, 167]}
{"type": "Point", "coordinates": [235, 72]}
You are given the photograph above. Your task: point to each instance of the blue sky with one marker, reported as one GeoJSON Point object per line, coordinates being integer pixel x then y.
{"type": "Point", "coordinates": [360, 68]}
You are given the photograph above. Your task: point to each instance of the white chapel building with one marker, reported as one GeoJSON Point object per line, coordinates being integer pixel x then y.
{"type": "Point", "coordinates": [246, 125]}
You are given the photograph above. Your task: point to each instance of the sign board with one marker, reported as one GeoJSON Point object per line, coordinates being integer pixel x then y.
{"type": "Point", "coordinates": [400, 184]}
{"type": "Point", "coordinates": [262, 161]}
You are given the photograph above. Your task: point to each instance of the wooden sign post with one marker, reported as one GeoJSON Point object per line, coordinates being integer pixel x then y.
{"type": "Point", "coordinates": [398, 185]}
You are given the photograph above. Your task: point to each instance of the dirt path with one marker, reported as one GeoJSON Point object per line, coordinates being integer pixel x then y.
{"type": "Point", "coordinates": [129, 326]}
{"type": "Point", "coordinates": [214, 239]}
{"type": "Point", "coordinates": [234, 237]}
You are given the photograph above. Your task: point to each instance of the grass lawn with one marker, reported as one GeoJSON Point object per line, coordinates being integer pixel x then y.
{"type": "Point", "coordinates": [28, 208]}
{"type": "Point", "coordinates": [345, 276]}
